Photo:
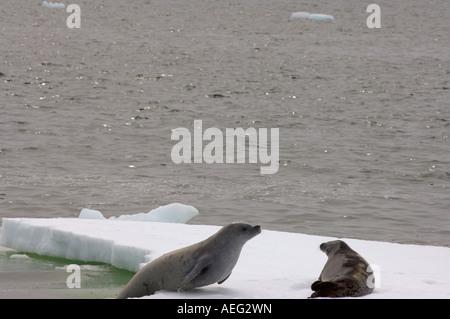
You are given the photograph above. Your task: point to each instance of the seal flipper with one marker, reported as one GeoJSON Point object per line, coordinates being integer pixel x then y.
{"type": "Point", "coordinates": [342, 288]}
{"type": "Point", "coordinates": [219, 282]}
{"type": "Point", "coordinates": [325, 289]}
{"type": "Point", "coordinates": [201, 264]}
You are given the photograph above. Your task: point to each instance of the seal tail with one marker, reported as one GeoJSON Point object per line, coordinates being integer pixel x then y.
{"type": "Point", "coordinates": [342, 288]}
{"type": "Point", "coordinates": [329, 289]}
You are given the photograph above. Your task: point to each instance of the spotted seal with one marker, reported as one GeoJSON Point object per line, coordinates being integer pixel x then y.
{"type": "Point", "coordinates": [345, 274]}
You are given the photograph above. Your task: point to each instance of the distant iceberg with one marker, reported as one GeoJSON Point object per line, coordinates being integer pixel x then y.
{"type": "Point", "coordinates": [87, 213]}
{"type": "Point", "coordinates": [57, 5]}
{"type": "Point", "coordinates": [311, 16]}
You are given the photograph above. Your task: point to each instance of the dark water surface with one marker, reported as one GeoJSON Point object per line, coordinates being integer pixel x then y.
{"type": "Point", "coordinates": [86, 114]}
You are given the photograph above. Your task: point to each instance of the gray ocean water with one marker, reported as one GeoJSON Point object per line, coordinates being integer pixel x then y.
{"type": "Point", "coordinates": [86, 114]}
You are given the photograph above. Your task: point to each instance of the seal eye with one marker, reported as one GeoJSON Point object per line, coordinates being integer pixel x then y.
{"type": "Point", "coordinates": [244, 228]}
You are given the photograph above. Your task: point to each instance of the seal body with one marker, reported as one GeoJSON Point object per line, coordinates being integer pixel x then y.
{"type": "Point", "coordinates": [198, 265]}
{"type": "Point", "coordinates": [345, 274]}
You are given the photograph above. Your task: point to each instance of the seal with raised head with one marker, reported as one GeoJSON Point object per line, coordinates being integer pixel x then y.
{"type": "Point", "coordinates": [198, 265]}
{"type": "Point", "coordinates": [345, 274]}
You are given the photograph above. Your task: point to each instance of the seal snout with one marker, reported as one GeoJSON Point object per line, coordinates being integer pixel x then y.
{"type": "Point", "coordinates": [323, 247]}
{"type": "Point", "coordinates": [256, 230]}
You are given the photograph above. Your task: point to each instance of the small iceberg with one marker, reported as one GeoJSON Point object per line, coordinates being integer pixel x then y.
{"type": "Point", "coordinates": [311, 16]}
{"type": "Point", "coordinates": [87, 213]}
{"type": "Point", "coordinates": [172, 213]}
{"type": "Point", "coordinates": [57, 5]}
{"type": "Point", "coordinates": [19, 256]}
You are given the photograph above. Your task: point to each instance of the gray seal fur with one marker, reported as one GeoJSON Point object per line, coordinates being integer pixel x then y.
{"type": "Point", "coordinates": [345, 274]}
{"type": "Point", "coordinates": [198, 265]}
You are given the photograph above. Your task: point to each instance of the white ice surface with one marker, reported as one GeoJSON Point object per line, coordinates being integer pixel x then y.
{"type": "Point", "coordinates": [272, 265]}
